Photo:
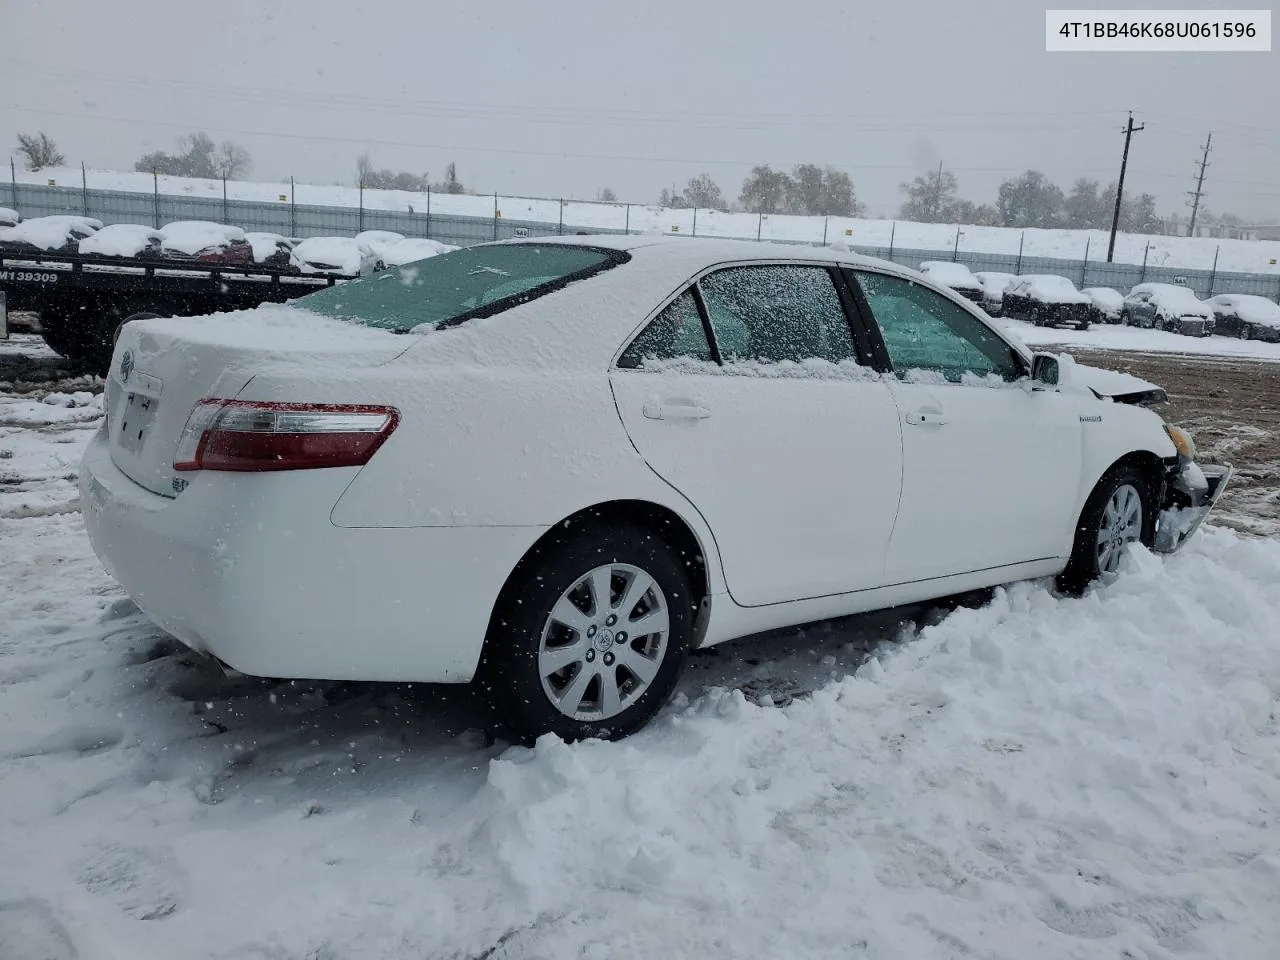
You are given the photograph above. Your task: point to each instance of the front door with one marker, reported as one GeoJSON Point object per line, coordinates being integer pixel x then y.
{"type": "Point", "coordinates": [991, 469]}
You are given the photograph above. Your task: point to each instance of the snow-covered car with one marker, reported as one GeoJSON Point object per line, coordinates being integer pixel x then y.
{"type": "Point", "coordinates": [379, 242]}
{"type": "Point", "coordinates": [1246, 316]}
{"type": "Point", "coordinates": [1107, 303]}
{"type": "Point", "coordinates": [341, 255]}
{"type": "Point", "coordinates": [413, 248]}
{"type": "Point", "coordinates": [1047, 299]}
{"type": "Point", "coordinates": [954, 275]}
{"type": "Point", "coordinates": [205, 242]}
{"type": "Point", "coordinates": [9, 217]}
{"type": "Point", "coordinates": [1168, 306]}
{"type": "Point", "coordinates": [538, 464]}
{"type": "Point", "coordinates": [123, 240]}
{"type": "Point", "coordinates": [272, 249]}
{"type": "Point", "coordinates": [994, 284]}
{"type": "Point", "coordinates": [56, 234]}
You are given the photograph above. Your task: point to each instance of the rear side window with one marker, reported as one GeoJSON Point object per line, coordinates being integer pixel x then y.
{"type": "Point", "coordinates": [776, 313]}
{"type": "Point", "coordinates": [676, 332]}
{"type": "Point", "coordinates": [472, 282]}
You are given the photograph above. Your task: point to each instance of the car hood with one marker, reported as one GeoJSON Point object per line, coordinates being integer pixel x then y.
{"type": "Point", "coordinates": [1119, 387]}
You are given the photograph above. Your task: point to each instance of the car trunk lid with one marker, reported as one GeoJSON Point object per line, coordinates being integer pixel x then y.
{"type": "Point", "coordinates": [161, 368]}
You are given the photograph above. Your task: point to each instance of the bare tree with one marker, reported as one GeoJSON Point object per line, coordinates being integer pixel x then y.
{"type": "Point", "coordinates": [450, 183]}
{"type": "Point", "coordinates": [765, 190]}
{"type": "Point", "coordinates": [702, 191]}
{"type": "Point", "coordinates": [39, 151]}
{"type": "Point", "coordinates": [606, 195]}
{"type": "Point", "coordinates": [232, 161]}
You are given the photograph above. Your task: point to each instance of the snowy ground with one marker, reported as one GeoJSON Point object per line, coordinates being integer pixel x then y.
{"type": "Point", "coordinates": [1034, 777]}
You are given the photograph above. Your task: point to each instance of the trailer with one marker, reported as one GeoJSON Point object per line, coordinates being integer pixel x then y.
{"type": "Point", "coordinates": [83, 301]}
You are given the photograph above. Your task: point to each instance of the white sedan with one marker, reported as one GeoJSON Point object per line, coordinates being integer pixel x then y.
{"type": "Point", "coordinates": [556, 466]}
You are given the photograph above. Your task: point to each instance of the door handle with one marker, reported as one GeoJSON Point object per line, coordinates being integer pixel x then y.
{"type": "Point", "coordinates": [676, 410]}
{"type": "Point", "coordinates": [926, 418]}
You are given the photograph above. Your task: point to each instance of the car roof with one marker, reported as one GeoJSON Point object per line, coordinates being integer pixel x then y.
{"type": "Point", "coordinates": [699, 252]}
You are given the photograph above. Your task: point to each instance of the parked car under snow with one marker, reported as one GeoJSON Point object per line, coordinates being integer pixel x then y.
{"type": "Point", "coordinates": [205, 242]}
{"type": "Point", "coordinates": [1168, 306]}
{"type": "Point", "coordinates": [272, 250]}
{"type": "Point", "coordinates": [1107, 303]}
{"type": "Point", "coordinates": [1246, 316]}
{"type": "Point", "coordinates": [954, 275]}
{"type": "Point", "coordinates": [9, 217]}
{"type": "Point", "coordinates": [123, 240]}
{"type": "Point", "coordinates": [1047, 299]}
{"type": "Point", "coordinates": [342, 255]}
{"type": "Point", "coordinates": [56, 234]}
{"type": "Point", "coordinates": [994, 284]}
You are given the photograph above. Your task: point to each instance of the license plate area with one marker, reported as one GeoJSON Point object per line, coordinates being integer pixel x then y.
{"type": "Point", "coordinates": [137, 413]}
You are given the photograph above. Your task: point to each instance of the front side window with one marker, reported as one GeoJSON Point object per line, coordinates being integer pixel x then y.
{"type": "Point", "coordinates": [776, 313]}
{"type": "Point", "coordinates": [459, 285]}
{"type": "Point", "coordinates": [676, 332]}
{"type": "Point", "coordinates": [923, 330]}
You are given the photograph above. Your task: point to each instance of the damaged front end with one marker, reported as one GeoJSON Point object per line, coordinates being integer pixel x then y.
{"type": "Point", "coordinates": [1190, 491]}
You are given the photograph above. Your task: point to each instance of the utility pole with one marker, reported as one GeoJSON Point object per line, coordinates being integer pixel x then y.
{"type": "Point", "coordinates": [1129, 131]}
{"type": "Point", "coordinates": [937, 193]}
{"type": "Point", "coordinates": [1198, 192]}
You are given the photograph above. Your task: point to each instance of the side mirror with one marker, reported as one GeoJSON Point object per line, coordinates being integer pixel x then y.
{"type": "Point", "coordinates": [1045, 369]}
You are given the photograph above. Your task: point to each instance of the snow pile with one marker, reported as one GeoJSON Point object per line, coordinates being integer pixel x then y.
{"type": "Point", "coordinates": [193, 236]}
{"type": "Point", "coordinates": [49, 233]}
{"type": "Point", "coordinates": [412, 249]}
{"type": "Point", "coordinates": [324, 254]}
{"type": "Point", "coordinates": [950, 274]}
{"type": "Point", "coordinates": [121, 240]}
{"type": "Point", "coordinates": [1256, 310]}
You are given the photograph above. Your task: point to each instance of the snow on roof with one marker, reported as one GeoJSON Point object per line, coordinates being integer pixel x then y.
{"type": "Point", "coordinates": [46, 233]}
{"type": "Point", "coordinates": [192, 236]}
{"type": "Point", "coordinates": [950, 274]}
{"type": "Point", "coordinates": [120, 240]}
{"type": "Point", "coordinates": [330, 253]}
{"type": "Point", "coordinates": [1251, 308]}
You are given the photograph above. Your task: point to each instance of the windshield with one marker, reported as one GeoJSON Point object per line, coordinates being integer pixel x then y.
{"type": "Point", "coordinates": [457, 286]}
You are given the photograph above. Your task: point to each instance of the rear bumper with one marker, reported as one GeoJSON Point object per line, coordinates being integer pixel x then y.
{"type": "Point", "coordinates": [253, 571]}
{"type": "Point", "coordinates": [1192, 491]}
{"type": "Point", "coordinates": [1194, 326]}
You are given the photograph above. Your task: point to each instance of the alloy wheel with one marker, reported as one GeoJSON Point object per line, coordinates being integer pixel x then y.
{"type": "Point", "coordinates": [1121, 524]}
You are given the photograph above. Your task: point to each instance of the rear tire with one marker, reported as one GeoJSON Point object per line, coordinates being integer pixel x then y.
{"type": "Point", "coordinates": [558, 661]}
{"type": "Point", "coordinates": [1120, 510]}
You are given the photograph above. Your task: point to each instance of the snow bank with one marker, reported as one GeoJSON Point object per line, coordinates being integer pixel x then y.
{"type": "Point", "coordinates": [192, 236]}
{"type": "Point", "coordinates": [121, 240]}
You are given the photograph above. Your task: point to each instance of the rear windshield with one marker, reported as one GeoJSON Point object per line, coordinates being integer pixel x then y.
{"type": "Point", "coordinates": [472, 282]}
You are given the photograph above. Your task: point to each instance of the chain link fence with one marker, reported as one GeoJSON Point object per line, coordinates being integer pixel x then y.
{"type": "Point", "coordinates": [306, 220]}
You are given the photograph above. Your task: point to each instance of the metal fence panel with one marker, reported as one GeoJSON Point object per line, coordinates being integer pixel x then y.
{"type": "Point", "coordinates": [311, 220]}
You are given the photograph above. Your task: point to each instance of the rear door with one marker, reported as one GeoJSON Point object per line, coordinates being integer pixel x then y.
{"type": "Point", "coordinates": [990, 469]}
{"type": "Point", "coordinates": [746, 395]}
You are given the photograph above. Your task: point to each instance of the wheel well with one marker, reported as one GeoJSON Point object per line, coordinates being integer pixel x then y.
{"type": "Point", "coordinates": [1144, 460]}
{"type": "Point", "coordinates": [665, 523]}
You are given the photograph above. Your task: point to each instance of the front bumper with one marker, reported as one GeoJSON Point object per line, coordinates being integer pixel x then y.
{"type": "Point", "coordinates": [1191, 491]}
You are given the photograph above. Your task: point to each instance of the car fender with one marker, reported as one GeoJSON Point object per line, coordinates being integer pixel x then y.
{"type": "Point", "coordinates": [1112, 431]}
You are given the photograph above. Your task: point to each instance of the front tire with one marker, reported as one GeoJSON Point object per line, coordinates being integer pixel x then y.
{"type": "Point", "coordinates": [590, 637]}
{"type": "Point", "coordinates": [1121, 510]}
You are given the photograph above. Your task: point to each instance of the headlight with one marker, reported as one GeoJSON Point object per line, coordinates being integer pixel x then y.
{"type": "Point", "coordinates": [1182, 441]}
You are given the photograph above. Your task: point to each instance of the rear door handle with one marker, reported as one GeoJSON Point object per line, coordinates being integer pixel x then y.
{"type": "Point", "coordinates": [926, 418]}
{"type": "Point", "coordinates": [676, 410]}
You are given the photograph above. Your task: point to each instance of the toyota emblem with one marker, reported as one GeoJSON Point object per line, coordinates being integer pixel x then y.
{"type": "Point", "coordinates": [126, 366]}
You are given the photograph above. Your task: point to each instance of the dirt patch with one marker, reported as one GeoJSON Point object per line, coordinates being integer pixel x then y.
{"type": "Point", "coordinates": [1232, 407]}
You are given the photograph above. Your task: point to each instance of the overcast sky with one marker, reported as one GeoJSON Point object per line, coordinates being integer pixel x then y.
{"type": "Point", "coordinates": [563, 97]}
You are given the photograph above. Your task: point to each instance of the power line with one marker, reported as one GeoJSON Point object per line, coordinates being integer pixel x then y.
{"type": "Point", "coordinates": [1198, 192]}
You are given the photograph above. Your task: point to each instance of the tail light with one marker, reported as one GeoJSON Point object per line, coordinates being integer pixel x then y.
{"type": "Point", "coordinates": [251, 436]}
